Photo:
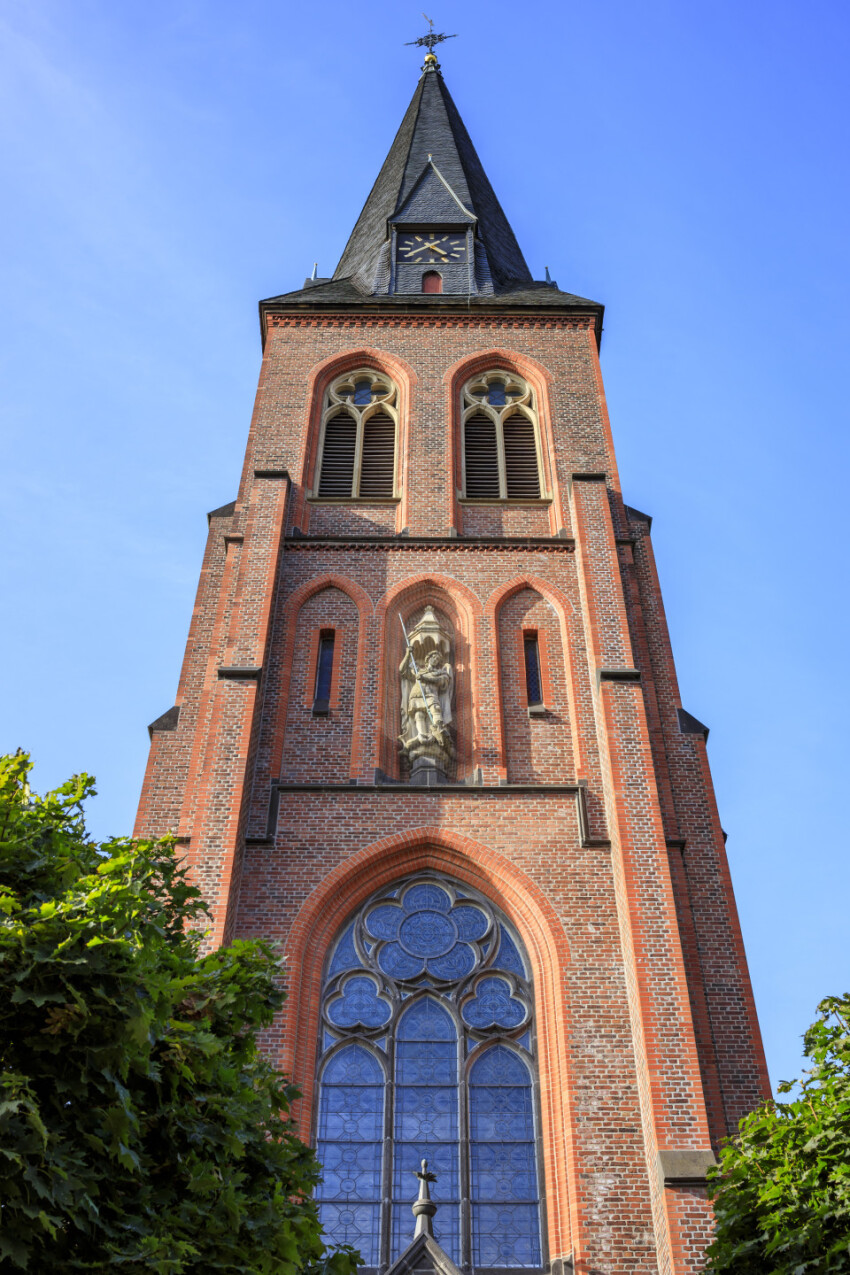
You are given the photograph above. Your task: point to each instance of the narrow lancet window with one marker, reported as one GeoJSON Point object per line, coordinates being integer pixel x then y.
{"type": "Point", "coordinates": [338, 455]}
{"type": "Point", "coordinates": [349, 1144]}
{"type": "Point", "coordinates": [481, 457]}
{"type": "Point", "coordinates": [533, 680]}
{"type": "Point", "coordinates": [378, 460]}
{"type": "Point", "coordinates": [324, 672]}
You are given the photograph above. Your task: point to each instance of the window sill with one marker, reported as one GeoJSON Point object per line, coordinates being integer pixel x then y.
{"type": "Point", "coordinates": [474, 500]}
{"type": "Point", "coordinates": [354, 500]}
{"type": "Point", "coordinates": [537, 710]}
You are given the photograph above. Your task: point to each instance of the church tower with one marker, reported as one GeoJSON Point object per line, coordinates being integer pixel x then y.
{"type": "Point", "coordinates": [428, 738]}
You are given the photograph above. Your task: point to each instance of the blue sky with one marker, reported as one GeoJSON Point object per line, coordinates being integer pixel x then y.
{"type": "Point", "coordinates": [168, 163]}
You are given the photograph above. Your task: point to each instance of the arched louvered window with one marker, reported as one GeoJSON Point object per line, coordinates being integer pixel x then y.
{"type": "Point", "coordinates": [358, 444]}
{"type": "Point", "coordinates": [501, 445]}
{"type": "Point", "coordinates": [427, 1053]}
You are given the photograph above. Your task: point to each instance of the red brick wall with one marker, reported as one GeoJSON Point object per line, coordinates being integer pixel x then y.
{"type": "Point", "coordinates": [321, 746]}
{"type": "Point", "coordinates": [539, 749]}
{"type": "Point", "coordinates": [647, 1035]}
{"type": "Point", "coordinates": [505, 520]}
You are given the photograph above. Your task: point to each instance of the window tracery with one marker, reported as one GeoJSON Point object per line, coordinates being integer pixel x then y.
{"type": "Point", "coordinates": [501, 439]}
{"type": "Point", "coordinates": [358, 443]}
{"type": "Point", "coordinates": [427, 1052]}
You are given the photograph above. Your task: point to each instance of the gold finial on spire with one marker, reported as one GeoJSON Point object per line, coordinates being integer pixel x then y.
{"type": "Point", "coordinates": [428, 41]}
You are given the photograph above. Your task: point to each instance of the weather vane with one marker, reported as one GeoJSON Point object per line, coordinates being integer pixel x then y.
{"type": "Point", "coordinates": [428, 41]}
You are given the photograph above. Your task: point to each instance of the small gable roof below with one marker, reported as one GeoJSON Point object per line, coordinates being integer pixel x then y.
{"type": "Point", "coordinates": [432, 200]}
{"type": "Point", "coordinates": [423, 1257]}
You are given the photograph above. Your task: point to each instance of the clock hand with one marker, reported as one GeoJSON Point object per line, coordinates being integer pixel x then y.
{"type": "Point", "coordinates": [432, 247]}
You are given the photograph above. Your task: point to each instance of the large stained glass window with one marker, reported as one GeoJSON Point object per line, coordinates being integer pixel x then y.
{"type": "Point", "coordinates": [427, 1053]}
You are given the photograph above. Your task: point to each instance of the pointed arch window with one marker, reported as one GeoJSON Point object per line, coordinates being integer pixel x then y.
{"type": "Point", "coordinates": [358, 445]}
{"type": "Point", "coordinates": [501, 439]}
{"type": "Point", "coordinates": [427, 1052]}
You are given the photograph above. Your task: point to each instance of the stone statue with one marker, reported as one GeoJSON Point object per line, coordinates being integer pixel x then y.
{"type": "Point", "coordinates": [427, 683]}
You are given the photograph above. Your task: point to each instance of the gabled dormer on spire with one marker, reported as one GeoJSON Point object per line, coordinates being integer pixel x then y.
{"type": "Point", "coordinates": [432, 212]}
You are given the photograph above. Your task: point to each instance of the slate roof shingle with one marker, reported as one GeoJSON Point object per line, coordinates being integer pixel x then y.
{"type": "Point", "coordinates": [432, 126]}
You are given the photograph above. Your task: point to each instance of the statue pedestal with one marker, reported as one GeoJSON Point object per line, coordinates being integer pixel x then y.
{"type": "Point", "coordinates": [429, 760]}
{"type": "Point", "coordinates": [425, 772]}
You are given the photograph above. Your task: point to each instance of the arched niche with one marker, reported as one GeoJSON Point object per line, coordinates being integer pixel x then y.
{"type": "Point", "coordinates": [455, 609]}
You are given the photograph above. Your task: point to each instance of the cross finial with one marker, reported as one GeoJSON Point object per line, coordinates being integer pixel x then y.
{"type": "Point", "coordinates": [424, 1207]}
{"type": "Point", "coordinates": [428, 41]}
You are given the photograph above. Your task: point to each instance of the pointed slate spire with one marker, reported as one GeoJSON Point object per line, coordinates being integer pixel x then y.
{"type": "Point", "coordinates": [432, 140]}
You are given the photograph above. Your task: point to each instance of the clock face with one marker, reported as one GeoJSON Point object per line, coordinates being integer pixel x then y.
{"type": "Point", "coordinates": [434, 249]}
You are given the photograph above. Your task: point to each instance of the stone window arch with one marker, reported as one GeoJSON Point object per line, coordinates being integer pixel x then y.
{"type": "Point", "coordinates": [501, 451]}
{"type": "Point", "coordinates": [358, 444]}
{"type": "Point", "coordinates": [427, 1051]}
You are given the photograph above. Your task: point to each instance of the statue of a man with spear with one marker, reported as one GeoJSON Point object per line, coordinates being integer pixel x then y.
{"type": "Point", "coordinates": [426, 694]}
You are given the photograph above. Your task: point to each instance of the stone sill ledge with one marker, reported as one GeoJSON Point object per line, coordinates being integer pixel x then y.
{"type": "Point", "coordinates": [353, 500]}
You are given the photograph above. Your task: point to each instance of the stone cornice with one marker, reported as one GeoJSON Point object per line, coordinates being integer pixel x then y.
{"type": "Point", "coordinates": [384, 319]}
{"type": "Point", "coordinates": [395, 790]}
{"type": "Point", "coordinates": [455, 543]}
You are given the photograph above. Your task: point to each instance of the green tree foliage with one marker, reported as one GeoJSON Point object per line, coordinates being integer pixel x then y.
{"type": "Point", "coordinates": [782, 1189]}
{"type": "Point", "coordinates": [140, 1128]}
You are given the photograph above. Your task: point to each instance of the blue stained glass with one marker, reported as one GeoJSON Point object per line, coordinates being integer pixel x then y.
{"type": "Point", "coordinates": [427, 934]}
{"type": "Point", "coordinates": [471, 922]}
{"type": "Point", "coordinates": [345, 957]}
{"type": "Point", "coordinates": [525, 1040]}
{"type": "Point", "coordinates": [426, 1020]}
{"type": "Point", "coordinates": [353, 1066]}
{"type": "Point", "coordinates": [505, 1235]}
{"type": "Point", "coordinates": [503, 1171]}
{"type": "Point", "coordinates": [442, 1160]}
{"type": "Point", "coordinates": [456, 964]}
{"type": "Point", "coordinates": [508, 957]}
{"type": "Point", "coordinates": [496, 394]}
{"type": "Point", "coordinates": [426, 1115]}
{"type": "Point", "coordinates": [426, 1063]}
{"type": "Point", "coordinates": [421, 897]}
{"type": "Point", "coordinates": [446, 1229]}
{"type": "Point", "coordinates": [500, 1114]}
{"type": "Point", "coordinates": [499, 1066]}
{"type": "Point", "coordinates": [359, 1004]}
{"type": "Point", "coordinates": [493, 1005]}
{"type": "Point", "coordinates": [354, 1224]}
{"type": "Point", "coordinates": [383, 922]}
{"type": "Point", "coordinates": [351, 1171]}
{"type": "Point", "coordinates": [363, 393]}
{"type": "Point", "coordinates": [394, 961]}
{"type": "Point", "coordinates": [351, 1114]}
